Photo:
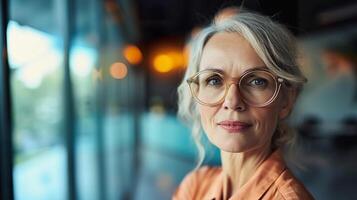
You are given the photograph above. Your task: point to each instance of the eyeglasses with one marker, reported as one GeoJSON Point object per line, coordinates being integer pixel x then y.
{"type": "Point", "coordinates": [257, 87]}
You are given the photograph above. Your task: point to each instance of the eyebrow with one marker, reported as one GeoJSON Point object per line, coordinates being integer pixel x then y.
{"type": "Point", "coordinates": [222, 71]}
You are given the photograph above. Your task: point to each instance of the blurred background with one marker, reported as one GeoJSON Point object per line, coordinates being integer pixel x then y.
{"type": "Point", "coordinates": [88, 96]}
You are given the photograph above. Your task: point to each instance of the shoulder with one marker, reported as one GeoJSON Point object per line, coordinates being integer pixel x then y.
{"type": "Point", "coordinates": [290, 188]}
{"type": "Point", "coordinates": [197, 182]}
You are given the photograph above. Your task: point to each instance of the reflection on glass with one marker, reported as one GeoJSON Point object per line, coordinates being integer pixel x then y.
{"type": "Point", "coordinates": [36, 63]}
{"type": "Point", "coordinates": [36, 79]}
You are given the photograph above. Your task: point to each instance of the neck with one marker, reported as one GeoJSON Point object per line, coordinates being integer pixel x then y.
{"type": "Point", "coordinates": [239, 167]}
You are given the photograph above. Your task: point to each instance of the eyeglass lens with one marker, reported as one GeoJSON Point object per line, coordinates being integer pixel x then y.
{"type": "Point", "coordinates": [256, 87]}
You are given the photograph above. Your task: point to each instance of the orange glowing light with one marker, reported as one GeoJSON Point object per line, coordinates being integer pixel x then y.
{"type": "Point", "coordinates": [185, 55]}
{"type": "Point", "coordinates": [133, 54]}
{"type": "Point", "coordinates": [163, 63]}
{"type": "Point", "coordinates": [177, 58]}
{"type": "Point", "coordinates": [118, 70]}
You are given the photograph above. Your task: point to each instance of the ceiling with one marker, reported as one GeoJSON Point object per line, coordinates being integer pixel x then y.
{"type": "Point", "coordinates": [147, 20]}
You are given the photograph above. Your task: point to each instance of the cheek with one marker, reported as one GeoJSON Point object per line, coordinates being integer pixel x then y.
{"type": "Point", "coordinates": [207, 117]}
{"type": "Point", "coordinates": [266, 121]}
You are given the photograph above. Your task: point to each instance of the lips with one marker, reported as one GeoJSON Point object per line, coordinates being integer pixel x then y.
{"type": "Point", "coordinates": [234, 126]}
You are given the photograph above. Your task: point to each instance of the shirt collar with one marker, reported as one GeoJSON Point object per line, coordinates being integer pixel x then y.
{"type": "Point", "coordinates": [258, 184]}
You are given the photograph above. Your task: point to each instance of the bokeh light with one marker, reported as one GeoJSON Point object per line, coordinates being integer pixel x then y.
{"type": "Point", "coordinates": [97, 74]}
{"type": "Point", "coordinates": [133, 54]}
{"type": "Point", "coordinates": [177, 58]}
{"type": "Point", "coordinates": [163, 63]}
{"type": "Point", "coordinates": [118, 70]}
{"type": "Point", "coordinates": [185, 55]}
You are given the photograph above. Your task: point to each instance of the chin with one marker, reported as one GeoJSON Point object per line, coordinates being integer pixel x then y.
{"type": "Point", "coordinates": [232, 146]}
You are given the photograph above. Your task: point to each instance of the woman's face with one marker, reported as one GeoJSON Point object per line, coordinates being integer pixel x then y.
{"type": "Point", "coordinates": [234, 126]}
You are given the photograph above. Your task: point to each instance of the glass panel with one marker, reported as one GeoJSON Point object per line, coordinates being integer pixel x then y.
{"type": "Point", "coordinates": [35, 57]}
{"type": "Point", "coordinates": [119, 132]}
{"type": "Point", "coordinates": [85, 76]}
{"type": "Point", "coordinates": [101, 80]}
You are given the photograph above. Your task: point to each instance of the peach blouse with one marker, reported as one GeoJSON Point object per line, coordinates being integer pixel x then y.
{"type": "Point", "coordinates": [272, 180]}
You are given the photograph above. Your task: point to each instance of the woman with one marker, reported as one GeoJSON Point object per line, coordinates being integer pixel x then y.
{"type": "Point", "coordinates": [244, 80]}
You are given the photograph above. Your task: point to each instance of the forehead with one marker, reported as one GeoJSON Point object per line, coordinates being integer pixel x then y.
{"type": "Point", "coordinates": [229, 52]}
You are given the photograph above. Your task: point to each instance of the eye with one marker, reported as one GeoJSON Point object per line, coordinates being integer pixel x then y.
{"type": "Point", "coordinates": [258, 82]}
{"type": "Point", "coordinates": [214, 80]}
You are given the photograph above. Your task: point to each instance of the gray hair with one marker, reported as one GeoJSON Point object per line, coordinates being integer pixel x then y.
{"type": "Point", "coordinates": [275, 45]}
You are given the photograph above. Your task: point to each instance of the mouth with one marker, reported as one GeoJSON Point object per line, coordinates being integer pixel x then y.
{"type": "Point", "coordinates": [234, 126]}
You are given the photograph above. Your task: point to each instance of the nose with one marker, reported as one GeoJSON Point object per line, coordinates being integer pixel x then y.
{"type": "Point", "coordinates": [233, 99]}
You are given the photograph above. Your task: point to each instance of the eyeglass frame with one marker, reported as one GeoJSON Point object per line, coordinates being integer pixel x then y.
{"type": "Point", "coordinates": [277, 79]}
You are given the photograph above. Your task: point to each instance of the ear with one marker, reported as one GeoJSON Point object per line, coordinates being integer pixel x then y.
{"type": "Point", "coordinates": [288, 102]}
